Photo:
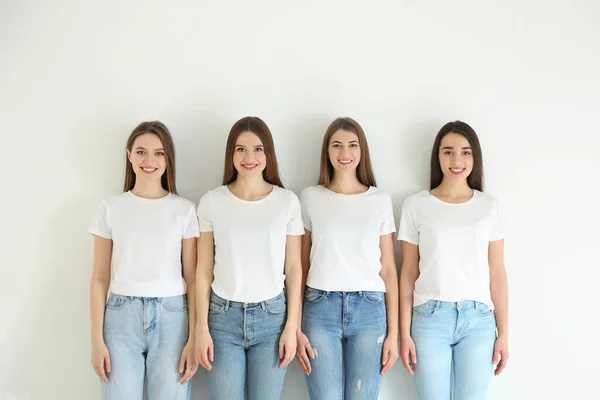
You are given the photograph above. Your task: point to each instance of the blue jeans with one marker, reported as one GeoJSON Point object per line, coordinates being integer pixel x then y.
{"type": "Point", "coordinates": [246, 340]}
{"type": "Point", "coordinates": [346, 331]}
{"type": "Point", "coordinates": [459, 335]}
{"type": "Point", "coordinates": [145, 337]}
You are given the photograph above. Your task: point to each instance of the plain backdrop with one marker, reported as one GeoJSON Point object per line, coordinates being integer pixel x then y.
{"type": "Point", "coordinates": [77, 76]}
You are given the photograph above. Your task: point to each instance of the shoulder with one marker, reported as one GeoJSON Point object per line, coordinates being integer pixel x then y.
{"type": "Point", "coordinates": [417, 199]}
{"type": "Point", "coordinates": [285, 194]}
{"type": "Point", "coordinates": [119, 200]}
{"type": "Point", "coordinates": [181, 202]}
{"type": "Point", "coordinates": [309, 192]}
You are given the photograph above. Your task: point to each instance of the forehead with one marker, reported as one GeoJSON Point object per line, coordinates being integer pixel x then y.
{"type": "Point", "coordinates": [148, 140]}
{"type": "Point", "coordinates": [248, 138]}
{"type": "Point", "coordinates": [342, 135]}
{"type": "Point", "coordinates": [454, 140]}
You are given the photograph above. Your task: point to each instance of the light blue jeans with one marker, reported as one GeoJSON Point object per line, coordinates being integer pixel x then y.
{"type": "Point", "coordinates": [346, 331]}
{"type": "Point", "coordinates": [459, 335]}
{"type": "Point", "coordinates": [246, 340]}
{"type": "Point", "coordinates": [145, 337]}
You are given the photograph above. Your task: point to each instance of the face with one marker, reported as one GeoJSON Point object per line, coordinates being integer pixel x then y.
{"type": "Point", "coordinates": [147, 157]}
{"type": "Point", "coordinates": [456, 157]}
{"type": "Point", "coordinates": [344, 150]}
{"type": "Point", "coordinates": [249, 158]}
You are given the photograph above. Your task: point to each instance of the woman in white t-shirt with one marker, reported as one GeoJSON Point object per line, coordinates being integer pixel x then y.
{"type": "Point", "coordinates": [453, 287]}
{"type": "Point", "coordinates": [145, 250]}
{"type": "Point", "coordinates": [249, 248]}
{"type": "Point", "coordinates": [349, 335]}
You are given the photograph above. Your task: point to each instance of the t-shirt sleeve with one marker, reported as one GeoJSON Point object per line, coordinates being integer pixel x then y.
{"type": "Point", "coordinates": [303, 202]}
{"type": "Point", "coordinates": [99, 225]}
{"type": "Point", "coordinates": [191, 228]}
{"type": "Point", "coordinates": [204, 214]}
{"type": "Point", "coordinates": [498, 227]}
{"type": "Point", "coordinates": [295, 225]}
{"type": "Point", "coordinates": [388, 225]}
{"type": "Point", "coordinates": [408, 230]}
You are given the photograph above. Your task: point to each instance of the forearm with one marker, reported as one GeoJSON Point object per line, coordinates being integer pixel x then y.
{"type": "Point", "coordinates": [202, 289]}
{"type": "Point", "coordinates": [191, 302]}
{"type": "Point", "coordinates": [499, 291]}
{"type": "Point", "coordinates": [407, 287]}
{"type": "Point", "coordinates": [391, 300]}
{"type": "Point", "coordinates": [293, 284]}
{"type": "Point", "coordinates": [98, 292]}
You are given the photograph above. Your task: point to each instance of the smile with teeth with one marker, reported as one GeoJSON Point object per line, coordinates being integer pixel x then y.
{"type": "Point", "coordinates": [457, 171]}
{"type": "Point", "coordinates": [249, 167]}
{"type": "Point", "coordinates": [149, 170]}
{"type": "Point", "coordinates": [344, 162]}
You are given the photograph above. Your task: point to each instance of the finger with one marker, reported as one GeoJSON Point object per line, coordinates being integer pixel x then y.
{"type": "Point", "coordinates": [286, 359]}
{"type": "Point", "coordinates": [281, 350]}
{"type": "Point", "coordinates": [304, 364]}
{"type": "Point", "coordinates": [501, 366]}
{"type": "Point", "coordinates": [390, 363]}
{"type": "Point", "coordinates": [107, 363]}
{"type": "Point", "coordinates": [496, 358]}
{"type": "Point", "coordinates": [310, 351]}
{"type": "Point", "coordinates": [182, 363]}
{"type": "Point", "coordinates": [102, 374]}
{"type": "Point", "coordinates": [414, 355]}
{"type": "Point", "coordinates": [385, 356]}
{"type": "Point", "coordinates": [204, 361]}
{"type": "Point", "coordinates": [211, 352]}
{"type": "Point", "coordinates": [406, 362]}
{"type": "Point", "coordinates": [186, 375]}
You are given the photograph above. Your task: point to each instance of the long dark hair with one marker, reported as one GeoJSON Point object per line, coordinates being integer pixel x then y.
{"type": "Point", "coordinates": [260, 129]}
{"type": "Point", "coordinates": [475, 178]}
{"type": "Point", "coordinates": [159, 129]}
{"type": "Point", "coordinates": [364, 171]}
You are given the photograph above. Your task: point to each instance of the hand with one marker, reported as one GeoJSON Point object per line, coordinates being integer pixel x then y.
{"type": "Point", "coordinates": [390, 353]}
{"type": "Point", "coordinates": [204, 348]}
{"type": "Point", "coordinates": [303, 352]}
{"type": "Point", "coordinates": [500, 354]}
{"type": "Point", "coordinates": [287, 347]}
{"type": "Point", "coordinates": [408, 353]}
{"type": "Point", "coordinates": [188, 362]}
{"type": "Point", "coordinates": [101, 360]}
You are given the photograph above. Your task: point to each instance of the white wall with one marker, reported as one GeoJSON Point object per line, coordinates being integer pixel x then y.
{"type": "Point", "coordinates": [77, 76]}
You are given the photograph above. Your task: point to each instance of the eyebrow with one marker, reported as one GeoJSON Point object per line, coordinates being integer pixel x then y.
{"type": "Point", "coordinates": [241, 145]}
{"type": "Point", "coordinates": [337, 141]}
{"type": "Point", "coordinates": [452, 148]}
{"type": "Point", "coordinates": [143, 148]}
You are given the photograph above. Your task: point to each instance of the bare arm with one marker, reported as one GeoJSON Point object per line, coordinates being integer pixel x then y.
{"type": "Point", "coordinates": [99, 284]}
{"type": "Point", "coordinates": [389, 274]}
{"type": "Point", "coordinates": [189, 257]}
{"type": "Point", "coordinates": [305, 259]}
{"type": "Point", "coordinates": [204, 278]}
{"type": "Point", "coordinates": [293, 279]}
{"type": "Point", "coordinates": [499, 291]}
{"type": "Point", "coordinates": [409, 273]}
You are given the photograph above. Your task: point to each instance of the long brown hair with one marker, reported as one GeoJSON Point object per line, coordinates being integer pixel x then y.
{"type": "Point", "coordinates": [475, 178]}
{"type": "Point", "coordinates": [157, 128]}
{"type": "Point", "coordinates": [260, 129]}
{"type": "Point", "coordinates": [364, 171]}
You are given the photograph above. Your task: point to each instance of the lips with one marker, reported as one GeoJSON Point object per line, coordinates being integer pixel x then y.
{"type": "Point", "coordinates": [149, 170]}
{"type": "Point", "coordinates": [457, 171]}
{"type": "Point", "coordinates": [345, 162]}
{"type": "Point", "coordinates": [249, 167]}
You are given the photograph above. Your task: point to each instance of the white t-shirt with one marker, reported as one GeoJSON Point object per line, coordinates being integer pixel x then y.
{"type": "Point", "coordinates": [453, 242]}
{"type": "Point", "coordinates": [250, 240]}
{"type": "Point", "coordinates": [146, 235]}
{"type": "Point", "coordinates": [346, 232]}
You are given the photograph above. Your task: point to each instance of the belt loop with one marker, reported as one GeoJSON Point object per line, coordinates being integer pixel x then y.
{"type": "Point", "coordinates": [360, 293]}
{"type": "Point", "coordinates": [476, 305]}
{"type": "Point", "coordinates": [226, 305]}
{"type": "Point", "coordinates": [438, 304]}
{"type": "Point", "coordinates": [263, 305]}
{"type": "Point", "coordinates": [327, 293]}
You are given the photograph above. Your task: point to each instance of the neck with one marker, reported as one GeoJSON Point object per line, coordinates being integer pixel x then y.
{"type": "Point", "coordinates": [148, 189]}
{"type": "Point", "coordinates": [250, 188]}
{"type": "Point", "coordinates": [346, 183]}
{"type": "Point", "coordinates": [453, 189]}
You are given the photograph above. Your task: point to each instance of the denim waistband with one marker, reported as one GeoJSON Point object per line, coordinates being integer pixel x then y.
{"type": "Point", "coordinates": [157, 299]}
{"type": "Point", "coordinates": [458, 305]}
{"type": "Point", "coordinates": [341, 293]}
{"type": "Point", "coordinates": [237, 304]}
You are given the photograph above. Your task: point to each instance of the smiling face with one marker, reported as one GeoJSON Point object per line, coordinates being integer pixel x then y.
{"type": "Point", "coordinates": [455, 157]}
{"type": "Point", "coordinates": [147, 157]}
{"type": "Point", "coordinates": [249, 157]}
{"type": "Point", "coordinates": [344, 151]}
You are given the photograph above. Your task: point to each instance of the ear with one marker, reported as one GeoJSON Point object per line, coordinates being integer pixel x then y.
{"type": "Point", "coordinates": [129, 155]}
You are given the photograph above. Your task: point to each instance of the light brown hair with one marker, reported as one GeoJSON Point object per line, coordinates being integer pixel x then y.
{"type": "Point", "coordinates": [364, 171]}
{"type": "Point", "coordinates": [157, 128]}
{"type": "Point", "coordinates": [260, 129]}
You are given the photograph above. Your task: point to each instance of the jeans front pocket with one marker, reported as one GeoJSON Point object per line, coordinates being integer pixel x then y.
{"type": "Point", "coordinates": [175, 303]}
{"type": "Point", "coordinates": [313, 295]}
{"type": "Point", "coordinates": [483, 310]}
{"type": "Point", "coordinates": [374, 297]}
{"type": "Point", "coordinates": [426, 309]}
{"type": "Point", "coordinates": [116, 301]}
{"type": "Point", "coordinates": [276, 306]}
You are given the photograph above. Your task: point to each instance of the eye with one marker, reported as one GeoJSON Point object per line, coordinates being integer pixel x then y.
{"type": "Point", "coordinates": [447, 152]}
{"type": "Point", "coordinates": [140, 152]}
{"type": "Point", "coordinates": [466, 153]}
{"type": "Point", "coordinates": [159, 153]}
{"type": "Point", "coordinates": [240, 149]}
{"type": "Point", "coordinates": [259, 149]}
{"type": "Point", "coordinates": [354, 145]}
{"type": "Point", "coordinates": [335, 145]}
